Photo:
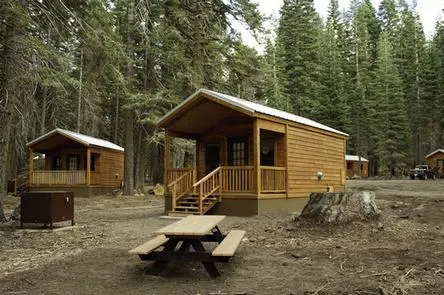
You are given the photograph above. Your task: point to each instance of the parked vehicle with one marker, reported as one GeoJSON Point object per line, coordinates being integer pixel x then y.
{"type": "Point", "coordinates": [422, 172]}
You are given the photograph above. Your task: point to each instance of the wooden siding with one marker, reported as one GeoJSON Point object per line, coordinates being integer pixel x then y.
{"type": "Point", "coordinates": [312, 152]}
{"type": "Point", "coordinates": [353, 169]}
{"type": "Point", "coordinates": [109, 167]}
{"type": "Point", "coordinates": [433, 163]}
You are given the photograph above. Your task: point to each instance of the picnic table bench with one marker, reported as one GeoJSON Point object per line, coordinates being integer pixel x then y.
{"type": "Point", "coordinates": [183, 241]}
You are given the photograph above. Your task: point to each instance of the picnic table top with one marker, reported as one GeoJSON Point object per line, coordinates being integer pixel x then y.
{"type": "Point", "coordinates": [193, 225]}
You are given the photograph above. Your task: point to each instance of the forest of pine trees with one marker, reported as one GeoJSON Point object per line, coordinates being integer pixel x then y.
{"type": "Point", "coordinates": [112, 68]}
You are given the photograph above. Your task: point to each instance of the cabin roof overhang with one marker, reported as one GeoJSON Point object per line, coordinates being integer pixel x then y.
{"type": "Point", "coordinates": [354, 158]}
{"type": "Point", "coordinates": [53, 138]}
{"type": "Point", "coordinates": [241, 107]}
{"type": "Point", "coordinates": [435, 152]}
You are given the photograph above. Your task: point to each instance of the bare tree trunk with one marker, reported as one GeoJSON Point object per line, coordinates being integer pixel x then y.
{"type": "Point", "coordinates": [79, 100]}
{"type": "Point", "coordinates": [128, 188]}
{"type": "Point", "coordinates": [8, 98]}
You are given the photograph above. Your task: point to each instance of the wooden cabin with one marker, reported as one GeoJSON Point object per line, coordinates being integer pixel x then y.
{"type": "Point", "coordinates": [356, 166]}
{"type": "Point", "coordinates": [435, 160]}
{"type": "Point", "coordinates": [250, 158]}
{"type": "Point", "coordinates": [75, 162]}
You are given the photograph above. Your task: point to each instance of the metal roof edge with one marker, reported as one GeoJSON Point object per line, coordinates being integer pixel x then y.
{"type": "Point", "coordinates": [434, 152]}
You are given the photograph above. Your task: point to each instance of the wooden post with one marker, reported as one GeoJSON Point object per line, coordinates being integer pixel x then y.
{"type": "Point", "coordinates": [257, 155]}
{"type": "Point", "coordinates": [88, 166]}
{"type": "Point", "coordinates": [166, 159]}
{"type": "Point", "coordinates": [31, 165]}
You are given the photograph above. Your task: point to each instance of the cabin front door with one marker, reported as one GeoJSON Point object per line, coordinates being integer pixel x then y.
{"type": "Point", "coordinates": [212, 157]}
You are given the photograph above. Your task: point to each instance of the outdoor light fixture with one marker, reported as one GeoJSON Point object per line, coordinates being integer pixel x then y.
{"type": "Point", "coordinates": [320, 175]}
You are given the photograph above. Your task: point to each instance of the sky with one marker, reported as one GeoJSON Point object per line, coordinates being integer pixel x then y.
{"type": "Point", "coordinates": [430, 12]}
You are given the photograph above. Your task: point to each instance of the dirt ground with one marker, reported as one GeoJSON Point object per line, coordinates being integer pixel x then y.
{"type": "Point", "coordinates": [402, 253]}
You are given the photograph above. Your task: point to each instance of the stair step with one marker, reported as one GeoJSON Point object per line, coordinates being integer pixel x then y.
{"type": "Point", "coordinates": [187, 208]}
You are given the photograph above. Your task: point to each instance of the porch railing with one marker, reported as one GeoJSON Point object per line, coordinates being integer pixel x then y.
{"type": "Point", "coordinates": [174, 173]}
{"type": "Point", "coordinates": [273, 179]}
{"type": "Point", "coordinates": [207, 186]}
{"type": "Point", "coordinates": [46, 177]}
{"type": "Point", "coordinates": [181, 186]}
{"type": "Point", "coordinates": [237, 179]}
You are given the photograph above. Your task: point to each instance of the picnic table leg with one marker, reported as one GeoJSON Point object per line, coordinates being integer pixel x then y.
{"type": "Point", "coordinates": [169, 246]}
{"type": "Point", "coordinates": [210, 267]}
{"type": "Point", "coordinates": [185, 247]}
{"type": "Point", "coordinates": [217, 234]}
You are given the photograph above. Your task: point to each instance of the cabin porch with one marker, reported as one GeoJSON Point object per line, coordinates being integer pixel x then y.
{"type": "Point", "coordinates": [238, 162]}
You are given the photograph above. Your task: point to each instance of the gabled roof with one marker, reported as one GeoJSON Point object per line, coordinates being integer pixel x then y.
{"type": "Point", "coordinates": [80, 138]}
{"type": "Point", "coordinates": [250, 107]}
{"type": "Point", "coordinates": [355, 158]}
{"type": "Point", "coordinates": [435, 152]}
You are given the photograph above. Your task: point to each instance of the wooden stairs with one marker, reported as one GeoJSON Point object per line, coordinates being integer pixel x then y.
{"type": "Point", "coordinates": [189, 205]}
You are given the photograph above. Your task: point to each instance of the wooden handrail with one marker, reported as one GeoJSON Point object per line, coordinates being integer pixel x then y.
{"type": "Point", "coordinates": [180, 178]}
{"type": "Point", "coordinates": [181, 186]}
{"type": "Point", "coordinates": [207, 186]}
{"type": "Point", "coordinates": [207, 176]}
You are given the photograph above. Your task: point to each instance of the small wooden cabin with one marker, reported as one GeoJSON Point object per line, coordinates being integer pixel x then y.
{"type": "Point", "coordinates": [356, 166]}
{"type": "Point", "coordinates": [250, 158]}
{"type": "Point", "coordinates": [75, 162]}
{"type": "Point", "coordinates": [435, 160]}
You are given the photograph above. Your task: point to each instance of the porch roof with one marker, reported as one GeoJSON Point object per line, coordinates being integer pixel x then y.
{"type": "Point", "coordinates": [249, 108]}
{"type": "Point", "coordinates": [435, 152]}
{"type": "Point", "coordinates": [82, 139]}
{"type": "Point", "coordinates": [355, 158]}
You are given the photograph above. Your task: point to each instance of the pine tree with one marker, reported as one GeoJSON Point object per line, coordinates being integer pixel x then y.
{"type": "Point", "coordinates": [334, 110]}
{"type": "Point", "coordinates": [410, 53]}
{"type": "Point", "coordinates": [389, 116]}
{"type": "Point", "coordinates": [299, 39]}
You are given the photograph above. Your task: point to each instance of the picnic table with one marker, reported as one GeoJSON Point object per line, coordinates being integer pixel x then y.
{"type": "Point", "coordinates": [184, 241]}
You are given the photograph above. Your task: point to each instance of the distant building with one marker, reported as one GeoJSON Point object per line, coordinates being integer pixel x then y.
{"type": "Point", "coordinates": [356, 167]}
{"type": "Point", "coordinates": [435, 160]}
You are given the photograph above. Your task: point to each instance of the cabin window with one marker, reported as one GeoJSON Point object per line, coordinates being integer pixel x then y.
{"type": "Point", "coordinates": [267, 152]}
{"type": "Point", "coordinates": [238, 151]}
{"type": "Point", "coordinates": [349, 166]}
{"type": "Point", "coordinates": [440, 163]}
{"type": "Point", "coordinates": [73, 162]}
{"type": "Point", "coordinates": [57, 163]}
{"type": "Point", "coordinates": [362, 166]}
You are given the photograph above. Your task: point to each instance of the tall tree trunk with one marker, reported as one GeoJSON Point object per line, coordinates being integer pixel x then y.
{"type": "Point", "coordinates": [8, 98]}
{"type": "Point", "coordinates": [128, 112]}
{"type": "Point", "coordinates": [79, 100]}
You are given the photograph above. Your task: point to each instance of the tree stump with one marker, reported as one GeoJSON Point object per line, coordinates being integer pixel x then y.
{"type": "Point", "coordinates": [341, 207]}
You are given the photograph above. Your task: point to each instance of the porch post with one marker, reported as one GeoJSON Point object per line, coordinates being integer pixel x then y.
{"type": "Point", "coordinates": [30, 165]}
{"type": "Point", "coordinates": [166, 159]}
{"type": "Point", "coordinates": [88, 166]}
{"type": "Point", "coordinates": [256, 156]}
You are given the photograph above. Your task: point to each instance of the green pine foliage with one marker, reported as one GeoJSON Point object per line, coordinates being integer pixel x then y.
{"type": "Point", "coordinates": [389, 115]}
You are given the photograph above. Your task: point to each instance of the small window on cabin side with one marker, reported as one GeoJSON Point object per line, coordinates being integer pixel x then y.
{"type": "Point", "coordinates": [238, 151]}
{"type": "Point", "coordinates": [362, 166]}
{"type": "Point", "coordinates": [57, 164]}
{"type": "Point", "coordinates": [440, 163]}
{"type": "Point", "coordinates": [349, 166]}
{"type": "Point", "coordinates": [73, 162]}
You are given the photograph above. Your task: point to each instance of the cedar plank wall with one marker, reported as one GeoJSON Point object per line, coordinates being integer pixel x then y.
{"type": "Point", "coordinates": [310, 152]}
{"type": "Point", "coordinates": [433, 162]}
{"type": "Point", "coordinates": [355, 166]}
{"type": "Point", "coordinates": [109, 165]}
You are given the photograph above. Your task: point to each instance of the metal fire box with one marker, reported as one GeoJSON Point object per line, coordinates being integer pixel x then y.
{"type": "Point", "coordinates": [47, 207]}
